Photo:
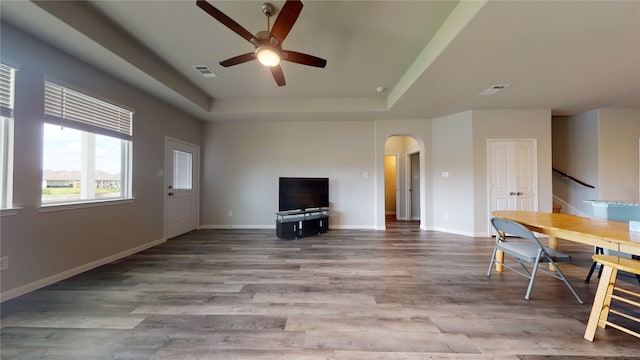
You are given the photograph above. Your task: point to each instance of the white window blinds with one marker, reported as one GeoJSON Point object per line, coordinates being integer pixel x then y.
{"type": "Point", "coordinates": [7, 78]}
{"type": "Point", "coordinates": [83, 112]}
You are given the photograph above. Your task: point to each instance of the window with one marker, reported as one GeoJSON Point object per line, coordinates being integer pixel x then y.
{"type": "Point", "coordinates": [7, 88]}
{"type": "Point", "coordinates": [182, 170]}
{"type": "Point", "coordinates": [86, 148]}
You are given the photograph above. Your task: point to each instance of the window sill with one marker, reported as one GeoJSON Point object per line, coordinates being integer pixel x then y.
{"type": "Point", "coordinates": [10, 212]}
{"type": "Point", "coordinates": [82, 205]}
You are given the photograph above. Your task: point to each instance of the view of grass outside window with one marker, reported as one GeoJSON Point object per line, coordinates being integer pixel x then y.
{"type": "Point", "coordinates": [72, 155]}
{"type": "Point", "coordinates": [86, 148]}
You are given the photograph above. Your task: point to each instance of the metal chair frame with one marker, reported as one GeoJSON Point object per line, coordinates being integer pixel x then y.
{"type": "Point", "coordinates": [531, 251]}
{"type": "Point", "coordinates": [598, 251]}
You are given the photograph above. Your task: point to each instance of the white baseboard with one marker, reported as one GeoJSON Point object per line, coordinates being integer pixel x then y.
{"type": "Point", "coordinates": [353, 227]}
{"type": "Point", "coordinates": [453, 231]}
{"type": "Point", "coordinates": [273, 227]}
{"type": "Point", "coordinates": [252, 227]}
{"type": "Point", "coordinates": [21, 290]}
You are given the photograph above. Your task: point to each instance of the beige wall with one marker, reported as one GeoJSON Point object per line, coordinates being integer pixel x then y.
{"type": "Point", "coordinates": [618, 135]}
{"type": "Point", "coordinates": [509, 124]}
{"type": "Point", "coordinates": [242, 162]}
{"type": "Point", "coordinates": [453, 194]}
{"type": "Point", "coordinates": [46, 246]}
{"type": "Point", "coordinates": [599, 147]}
{"type": "Point", "coordinates": [575, 152]}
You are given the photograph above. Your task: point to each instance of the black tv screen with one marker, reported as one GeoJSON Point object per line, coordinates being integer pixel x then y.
{"type": "Point", "coordinates": [303, 193]}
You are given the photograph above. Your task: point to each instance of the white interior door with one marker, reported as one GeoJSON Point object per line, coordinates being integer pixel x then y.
{"type": "Point", "coordinates": [524, 177]}
{"type": "Point", "coordinates": [182, 174]}
{"type": "Point", "coordinates": [512, 172]}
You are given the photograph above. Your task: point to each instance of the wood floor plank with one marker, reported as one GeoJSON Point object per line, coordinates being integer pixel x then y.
{"type": "Point", "coordinates": [361, 324]}
{"type": "Point", "coordinates": [377, 340]}
{"type": "Point", "coordinates": [376, 355]}
{"type": "Point", "coordinates": [73, 321]}
{"type": "Point", "coordinates": [403, 293]}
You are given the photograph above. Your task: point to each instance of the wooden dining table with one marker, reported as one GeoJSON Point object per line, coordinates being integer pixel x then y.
{"type": "Point", "coordinates": [607, 234]}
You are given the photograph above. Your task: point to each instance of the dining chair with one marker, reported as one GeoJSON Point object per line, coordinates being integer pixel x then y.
{"type": "Point", "coordinates": [525, 247]}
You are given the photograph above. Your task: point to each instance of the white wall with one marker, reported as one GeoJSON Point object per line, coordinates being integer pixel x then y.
{"type": "Point", "coordinates": [460, 149]}
{"type": "Point", "coordinates": [618, 134]}
{"type": "Point", "coordinates": [453, 194]}
{"type": "Point", "coordinates": [599, 147]}
{"type": "Point", "coordinates": [47, 246]}
{"type": "Point", "coordinates": [509, 124]}
{"type": "Point", "coordinates": [575, 152]}
{"type": "Point", "coordinates": [243, 161]}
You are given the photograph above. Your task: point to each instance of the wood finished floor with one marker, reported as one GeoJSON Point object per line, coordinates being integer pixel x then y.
{"type": "Point", "coordinates": [403, 293]}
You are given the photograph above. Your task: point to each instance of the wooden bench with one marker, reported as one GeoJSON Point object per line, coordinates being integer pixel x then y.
{"type": "Point", "coordinates": [605, 293]}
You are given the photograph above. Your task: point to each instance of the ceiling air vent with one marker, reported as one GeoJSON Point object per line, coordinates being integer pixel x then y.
{"type": "Point", "coordinates": [205, 71]}
{"type": "Point", "coordinates": [494, 89]}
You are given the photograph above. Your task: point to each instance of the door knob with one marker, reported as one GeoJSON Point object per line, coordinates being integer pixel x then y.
{"type": "Point", "coordinates": [512, 193]}
{"type": "Point", "coordinates": [170, 194]}
{"type": "Point", "coordinates": [519, 193]}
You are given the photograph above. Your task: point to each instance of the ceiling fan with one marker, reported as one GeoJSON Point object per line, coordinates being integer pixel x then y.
{"type": "Point", "coordinates": [268, 44]}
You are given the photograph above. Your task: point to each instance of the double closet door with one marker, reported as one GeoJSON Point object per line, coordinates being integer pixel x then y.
{"type": "Point", "coordinates": [513, 175]}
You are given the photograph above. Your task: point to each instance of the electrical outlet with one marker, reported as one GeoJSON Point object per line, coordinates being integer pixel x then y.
{"type": "Point", "coordinates": [446, 216]}
{"type": "Point", "coordinates": [4, 263]}
{"type": "Point", "coordinates": [230, 213]}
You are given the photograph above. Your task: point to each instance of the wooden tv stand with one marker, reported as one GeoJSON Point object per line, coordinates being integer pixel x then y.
{"type": "Point", "coordinates": [297, 224]}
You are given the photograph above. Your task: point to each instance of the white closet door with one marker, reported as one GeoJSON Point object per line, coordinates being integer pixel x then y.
{"type": "Point", "coordinates": [512, 173]}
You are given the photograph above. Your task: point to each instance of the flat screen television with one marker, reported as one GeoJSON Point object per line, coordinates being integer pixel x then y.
{"type": "Point", "coordinates": [298, 193]}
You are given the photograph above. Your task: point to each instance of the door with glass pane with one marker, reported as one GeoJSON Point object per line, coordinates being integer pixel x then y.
{"type": "Point", "coordinates": [182, 169]}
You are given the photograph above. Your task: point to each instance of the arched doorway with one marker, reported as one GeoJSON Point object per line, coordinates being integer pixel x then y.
{"type": "Point", "coordinates": [402, 180]}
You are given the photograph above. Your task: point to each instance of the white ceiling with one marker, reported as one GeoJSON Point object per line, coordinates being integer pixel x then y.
{"type": "Point", "coordinates": [432, 57]}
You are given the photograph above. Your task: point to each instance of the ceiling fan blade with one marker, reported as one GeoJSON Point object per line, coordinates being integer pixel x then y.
{"type": "Point", "coordinates": [278, 75]}
{"type": "Point", "coordinates": [238, 59]}
{"type": "Point", "coordinates": [304, 59]}
{"type": "Point", "coordinates": [287, 17]}
{"type": "Point", "coordinates": [225, 20]}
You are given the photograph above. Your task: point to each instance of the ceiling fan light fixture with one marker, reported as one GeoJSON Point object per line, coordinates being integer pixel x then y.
{"type": "Point", "coordinates": [268, 55]}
